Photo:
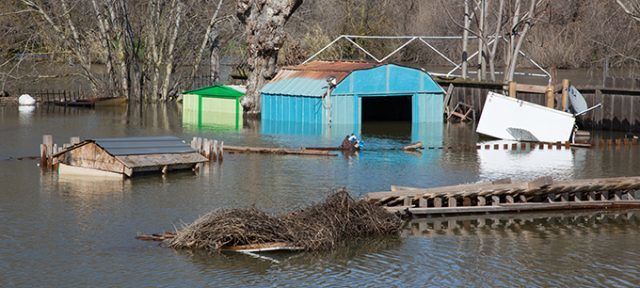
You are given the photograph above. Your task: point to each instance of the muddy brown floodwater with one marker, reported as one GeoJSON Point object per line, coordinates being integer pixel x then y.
{"type": "Point", "coordinates": [76, 232]}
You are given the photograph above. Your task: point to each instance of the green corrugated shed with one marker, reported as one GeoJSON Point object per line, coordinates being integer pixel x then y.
{"type": "Point", "coordinates": [214, 105]}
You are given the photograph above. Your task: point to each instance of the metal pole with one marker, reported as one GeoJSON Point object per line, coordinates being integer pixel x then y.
{"type": "Point", "coordinates": [362, 49]}
{"type": "Point", "coordinates": [398, 49]}
{"type": "Point", "coordinates": [438, 52]}
{"type": "Point", "coordinates": [322, 50]}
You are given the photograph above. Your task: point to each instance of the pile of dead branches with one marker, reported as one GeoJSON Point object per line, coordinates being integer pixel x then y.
{"type": "Point", "coordinates": [319, 227]}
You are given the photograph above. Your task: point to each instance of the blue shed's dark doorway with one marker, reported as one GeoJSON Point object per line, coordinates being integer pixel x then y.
{"type": "Point", "coordinates": [386, 115]}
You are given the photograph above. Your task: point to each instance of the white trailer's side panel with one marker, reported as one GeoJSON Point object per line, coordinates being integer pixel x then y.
{"type": "Point", "coordinates": [512, 119]}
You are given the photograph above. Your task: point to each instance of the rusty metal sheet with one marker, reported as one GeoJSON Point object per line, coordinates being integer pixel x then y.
{"type": "Point", "coordinates": [310, 79]}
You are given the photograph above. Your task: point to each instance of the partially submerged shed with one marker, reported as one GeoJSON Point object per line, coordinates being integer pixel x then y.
{"type": "Point", "coordinates": [127, 156]}
{"type": "Point", "coordinates": [217, 105]}
{"type": "Point", "coordinates": [363, 91]}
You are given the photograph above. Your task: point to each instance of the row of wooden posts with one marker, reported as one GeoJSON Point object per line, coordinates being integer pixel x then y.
{"type": "Point", "coordinates": [548, 90]}
{"type": "Point", "coordinates": [56, 96]}
{"type": "Point", "coordinates": [602, 143]}
{"type": "Point", "coordinates": [211, 149]}
{"type": "Point", "coordinates": [48, 149]}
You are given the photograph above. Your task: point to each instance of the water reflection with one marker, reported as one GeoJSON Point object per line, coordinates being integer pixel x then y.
{"type": "Point", "coordinates": [87, 227]}
{"type": "Point", "coordinates": [523, 226]}
{"type": "Point", "coordinates": [210, 120]}
{"type": "Point", "coordinates": [527, 163]}
{"type": "Point", "coordinates": [431, 134]}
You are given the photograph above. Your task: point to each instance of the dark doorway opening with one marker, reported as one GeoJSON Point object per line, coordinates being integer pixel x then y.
{"type": "Point", "coordinates": [388, 116]}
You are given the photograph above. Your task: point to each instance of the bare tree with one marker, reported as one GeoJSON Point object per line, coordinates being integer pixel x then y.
{"type": "Point", "coordinates": [210, 36]}
{"type": "Point", "coordinates": [520, 25]}
{"type": "Point", "coordinates": [264, 27]}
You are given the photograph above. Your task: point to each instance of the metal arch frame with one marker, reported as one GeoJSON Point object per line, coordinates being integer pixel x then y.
{"type": "Point", "coordinates": [423, 39]}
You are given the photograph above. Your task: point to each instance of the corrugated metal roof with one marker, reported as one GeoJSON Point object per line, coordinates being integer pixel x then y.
{"type": "Point", "coordinates": [143, 145]}
{"type": "Point", "coordinates": [310, 79]}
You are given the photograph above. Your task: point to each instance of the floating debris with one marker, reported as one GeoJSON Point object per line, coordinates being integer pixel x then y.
{"type": "Point", "coordinates": [322, 226]}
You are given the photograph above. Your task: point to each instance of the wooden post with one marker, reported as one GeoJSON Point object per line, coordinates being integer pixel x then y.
{"type": "Point", "coordinates": [47, 141]}
{"type": "Point", "coordinates": [522, 198]}
{"type": "Point", "coordinates": [565, 94]}
{"type": "Point", "coordinates": [452, 201]}
{"type": "Point", "coordinates": [43, 155]}
{"type": "Point", "coordinates": [482, 201]}
{"type": "Point", "coordinates": [509, 199]}
{"type": "Point", "coordinates": [512, 89]}
{"type": "Point", "coordinates": [495, 200]}
{"type": "Point", "coordinates": [221, 151]}
{"type": "Point", "coordinates": [550, 96]}
{"type": "Point", "coordinates": [199, 144]}
{"type": "Point", "coordinates": [215, 151]}
{"type": "Point", "coordinates": [422, 202]}
{"type": "Point", "coordinates": [206, 147]}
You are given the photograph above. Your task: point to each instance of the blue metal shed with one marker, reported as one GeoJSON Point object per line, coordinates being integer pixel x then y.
{"type": "Point", "coordinates": [298, 94]}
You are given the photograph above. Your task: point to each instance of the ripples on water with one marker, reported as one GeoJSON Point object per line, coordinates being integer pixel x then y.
{"type": "Point", "coordinates": [78, 232]}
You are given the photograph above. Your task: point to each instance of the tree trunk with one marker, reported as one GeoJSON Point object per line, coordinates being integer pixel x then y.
{"type": "Point", "coordinates": [496, 40]}
{"type": "Point", "coordinates": [521, 37]}
{"type": "Point", "coordinates": [214, 57]}
{"type": "Point", "coordinates": [207, 38]}
{"type": "Point", "coordinates": [482, 68]}
{"type": "Point", "coordinates": [465, 39]}
{"type": "Point", "coordinates": [264, 22]}
{"type": "Point", "coordinates": [171, 54]}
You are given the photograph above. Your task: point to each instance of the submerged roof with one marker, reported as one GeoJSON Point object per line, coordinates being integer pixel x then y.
{"type": "Point", "coordinates": [219, 91]}
{"type": "Point", "coordinates": [144, 145]}
{"type": "Point", "coordinates": [311, 79]}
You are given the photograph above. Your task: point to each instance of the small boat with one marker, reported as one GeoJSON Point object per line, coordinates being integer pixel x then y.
{"type": "Point", "coordinates": [26, 100]}
{"type": "Point", "coordinates": [94, 102]}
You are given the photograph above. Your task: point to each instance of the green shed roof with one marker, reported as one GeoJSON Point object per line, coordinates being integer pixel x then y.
{"type": "Point", "coordinates": [216, 91]}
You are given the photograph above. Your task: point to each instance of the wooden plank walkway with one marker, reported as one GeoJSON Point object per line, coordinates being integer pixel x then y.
{"type": "Point", "coordinates": [504, 196]}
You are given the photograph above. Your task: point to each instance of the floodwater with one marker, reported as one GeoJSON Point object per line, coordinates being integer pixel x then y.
{"type": "Point", "coordinates": [76, 232]}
